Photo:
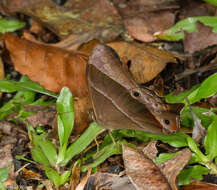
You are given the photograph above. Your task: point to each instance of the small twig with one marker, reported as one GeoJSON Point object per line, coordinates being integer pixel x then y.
{"type": "Point", "coordinates": [200, 70]}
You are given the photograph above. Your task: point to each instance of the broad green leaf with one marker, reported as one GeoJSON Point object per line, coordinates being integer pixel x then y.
{"type": "Point", "coordinates": [10, 25]}
{"type": "Point", "coordinates": [210, 141]}
{"type": "Point", "coordinates": [164, 157]}
{"type": "Point", "coordinates": [205, 115]}
{"type": "Point", "coordinates": [191, 174]}
{"type": "Point", "coordinates": [82, 142]}
{"type": "Point", "coordinates": [175, 140]}
{"type": "Point", "coordinates": [53, 176]}
{"type": "Point", "coordinates": [207, 88]}
{"type": "Point", "coordinates": [39, 156]}
{"type": "Point", "coordinates": [103, 154]}
{"type": "Point", "coordinates": [49, 151]}
{"type": "Point", "coordinates": [4, 173]}
{"type": "Point", "coordinates": [65, 111]}
{"type": "Point", "coordinates": [193, 146]}
{"type": "Point", "coordinates": [176, 32]}
{"type": "Point", "coordinates": [213, 2]}
{"type": "Point", "coordinates": [13, 86]}
{"type": "Point", "coordinates": [180, 98]}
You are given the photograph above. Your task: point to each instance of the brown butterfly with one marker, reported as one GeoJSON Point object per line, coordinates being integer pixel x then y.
{"type": "Point", "coordinates": [119, 102]}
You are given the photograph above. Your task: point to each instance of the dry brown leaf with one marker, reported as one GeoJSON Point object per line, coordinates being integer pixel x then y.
{"type": "Point", "coordinates": [146, 175]}
{"type": "Point", "coordinates": [81, 185]}
{"type": "Point", "coordinates": [142, 171]}
{"type": "Point", "coordinates": [43, 115]}
{"type": "Point", "coordinates": [143, 18]}
{"type": "Point", "coordinates": [145, 62]}
{"type": "Point", "coordinates": [108, 181]}
{"type": "Point", "coordinates": [199, 40]}
{"type": "Point", "coordinates": [99, 17]}
{"type": "Point", "coordinates": [144, 26]}
{"type": "Point", "coordinates": [75, 176]}
{"type": "Point", "coordinates": [28, 174]}
{"type": "Point", "coordinates": [52, 67]}
{"type": "Point", "coordinates": [200, 185]}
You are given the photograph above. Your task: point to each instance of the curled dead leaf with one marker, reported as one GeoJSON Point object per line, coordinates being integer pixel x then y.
{"type": "Point", "coordinates": [143, 173]}
{"type": "Point", "coordinates": [146, 175]}
{"type": "Point", "coordinates": [145, 62]}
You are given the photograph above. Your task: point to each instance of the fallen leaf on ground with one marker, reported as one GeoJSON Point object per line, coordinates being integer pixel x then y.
{"type": "Point", "coordinates": [145, 61]}
{"type": "Point", "coordinates": [108, 181]}
{"type": "Point", "coordinates": [28, 174]}
{"type": "Point", "coordinates": [42, 115]}
{"type": "Point", "coordinates": [146, 175]}
{"type": "Point", "coordinates": [142, 18]}
{"type": "Point", "coordinates": [199, 40]}
{"type": "Point", "coordinates": [99, 18]}
{"type": "Point", "coordinates": [6, 160]}
{"type": "Point", "coordinates": [200, 185]}
{"type": "Point", "coordinates": [52, 67]}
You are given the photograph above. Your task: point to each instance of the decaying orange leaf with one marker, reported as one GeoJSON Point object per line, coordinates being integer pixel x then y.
{"type": "Point", "coordinates": [145, 62]}
{"type": "Point", "coordinates": [52, 67]}
{"type": "Point", "coordinates": [146, 175]}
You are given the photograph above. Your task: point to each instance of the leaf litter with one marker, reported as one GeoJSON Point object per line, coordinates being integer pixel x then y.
{"type": "Point", "coordinates": [124, 26]}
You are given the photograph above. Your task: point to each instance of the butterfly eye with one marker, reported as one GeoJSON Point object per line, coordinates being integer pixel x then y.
{"type": "Point", "coordinates": [166, 121]}
{"type": "Point", "coordinates": [136, 94]}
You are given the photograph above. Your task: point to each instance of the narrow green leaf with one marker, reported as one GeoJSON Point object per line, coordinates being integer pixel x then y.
{"type": "Point", "coordinates": [164, 157]}
{"type": "Point", "coordinates": [25, 159]}
{"type": "Point", "coordinates": [176, 32]}
{"type": "Point", "coordinates": [39, 156]}
{"type": "Point", "coordinates": [13, 86]}
{"type": "Point", "coordinates": [213, 2]}
{"type": "Point", "coordinates": [53, 176]}
{"type": "Point", "coordinates": [103, 154]}
{"type": "Point", "coordinates": [49, 151]}
{"type": "Point", "coordinates": [210, 141]}
{"type": "Point", "coordinates": [65, 111]}
{"type": "Point", "coordinates": [82, 142]}
{"type": "Point", "coordinates": [175, 140]}
{"type": "Point", "coordinates": [10, 25]}
{"type": "Point", "coordinates": [4, 173]}
{"type": "Point", "coordinates": [191, 174]}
